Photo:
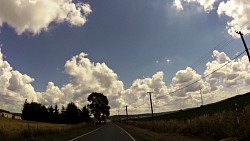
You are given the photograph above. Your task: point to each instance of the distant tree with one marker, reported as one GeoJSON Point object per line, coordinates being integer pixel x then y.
{"type": "Point", "coordinates": [51, 114]}
{"type": "Point", "coordinates": [62, 117]}
{"type": "Point", "coordinates": [34, 111]}
{"type": "Point", "coordinates": [85, 115]}
{"type": "Point", "coordinates": [99, 105]}
{"type": "Point", "coordinates": [56, 110]}
{"type": "Point", "coordinates": [63, 110]}
{"type": "Point", "coordinates": [72, 113]}
{"type": "Point", "coordinates": [25, 111]}
{"type": "Point", "coordinates": [42, 113]}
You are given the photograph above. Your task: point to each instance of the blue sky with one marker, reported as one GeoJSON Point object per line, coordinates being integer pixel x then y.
{"type": "Point", "coordinates": [129, 36]}
{"type": "Point", "coordinates": [135, 39]}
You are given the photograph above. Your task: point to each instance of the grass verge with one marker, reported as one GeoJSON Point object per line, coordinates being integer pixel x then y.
{"type": "Point", "coordinates": [140, 134]}
{"type": "Point", "coordinates": [61, 136]}
{"type": "Point", "coordinates": [11, 129]}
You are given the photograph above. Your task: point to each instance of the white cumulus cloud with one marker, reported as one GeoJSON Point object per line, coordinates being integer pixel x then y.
{"type": "Point", "coordinates": [14, 87]}
{"type": "Point", "coordinates": [237, 10]}
{"type": "Point", "coordinates": [178, 5]}
{"type": "Point", "coordinates": [88, 77]}
{"type": "Point", "coordinates": [35, 16]}
{"type": "Point", "coordinates": [206, 4]}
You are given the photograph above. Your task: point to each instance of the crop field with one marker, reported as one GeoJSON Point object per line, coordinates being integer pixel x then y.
{"type": "Point", "coordinates": [11, 129]}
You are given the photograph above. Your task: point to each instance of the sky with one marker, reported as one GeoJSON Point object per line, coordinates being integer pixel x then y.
{"type": "Point", "coordinates": [58, 51]}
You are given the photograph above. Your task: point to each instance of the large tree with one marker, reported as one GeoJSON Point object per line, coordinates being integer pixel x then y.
{"type": "Point", "coordinates": [99, 105]}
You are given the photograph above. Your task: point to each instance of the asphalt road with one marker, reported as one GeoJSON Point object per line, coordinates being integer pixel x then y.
{"type": "Point", "coordinates": [108, 132]}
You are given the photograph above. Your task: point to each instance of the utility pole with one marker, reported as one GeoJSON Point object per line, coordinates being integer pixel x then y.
{"type": "Point", "coordinates": [201, 96]}
{"type": "Point", "coordinates": [118, 115]}
{"type": "Point", "coordinates": [127, 112]}
{"type": "Point", "coordinates": [245, 45]}
{"type": "Point", "coordinates": [151, 103]}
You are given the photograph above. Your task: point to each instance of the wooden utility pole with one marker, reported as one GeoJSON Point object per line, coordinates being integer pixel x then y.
{"type": "Point", "coordinates": [201, 97]}
{"type": "Point", "coordinates": [151, 103]}
{"type": "Point", "coordinates": [118, 115]}
{"type": "Point", "coordinates": [127, 112]}
{"type": "Point", "coordinates": [245, 45]}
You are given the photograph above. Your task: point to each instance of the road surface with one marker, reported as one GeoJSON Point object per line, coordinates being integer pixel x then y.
{"type": "Point", "coordinates": [108, 132]}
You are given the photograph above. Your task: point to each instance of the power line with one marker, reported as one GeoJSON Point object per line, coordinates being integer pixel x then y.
{"type": "Point", "coordinates": [202, 59]}
{"type": "Point", "coordinates": [205, 57]}
{"type": "Point", "coordinates": [203, 76]}
{"type": "Point", "coordinates": [218, 47]}
{"type": "Point", "coordinates": [139, 105]}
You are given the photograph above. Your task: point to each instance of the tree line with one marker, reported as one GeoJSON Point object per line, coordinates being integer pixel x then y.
{"type": "Point", "coordinates": [70, 114]}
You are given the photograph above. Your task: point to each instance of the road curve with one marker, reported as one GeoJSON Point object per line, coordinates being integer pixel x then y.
{"type": "Point", "coordinates": [108, 132]}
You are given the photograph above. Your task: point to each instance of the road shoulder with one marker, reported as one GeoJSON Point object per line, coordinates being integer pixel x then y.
{"type": "Point", "coordinates": [125, 132]}
{"type": "Point", "coordinates": [140, 134]}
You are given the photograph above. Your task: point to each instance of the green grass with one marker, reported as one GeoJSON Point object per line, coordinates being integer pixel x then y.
{"type": "Point", "coordinates": [11, 129]}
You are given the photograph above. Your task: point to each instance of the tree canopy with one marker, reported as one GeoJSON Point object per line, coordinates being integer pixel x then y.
{"type": "Point", "coordinates": [38, 112]}
{"type": "Point", "coordinates": [99, 105]}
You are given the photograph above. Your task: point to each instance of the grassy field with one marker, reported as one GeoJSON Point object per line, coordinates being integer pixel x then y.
{"type": "Point", "coordinates": [213, 122]}
{"type": "Point", "coordinates": [226, 124]}
{"type": "Point", "coordinates": [11, 129]}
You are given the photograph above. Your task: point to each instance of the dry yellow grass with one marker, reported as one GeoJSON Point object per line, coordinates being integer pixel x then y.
{"type": "Point", "coordinates": [218, 126]}
{"type": "Point", "coordinates": [11, 129]}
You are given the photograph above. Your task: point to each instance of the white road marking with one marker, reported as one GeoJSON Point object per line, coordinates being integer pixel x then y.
{"type": "Point", "coordinates": [85, 134]}
{"type": "Point", "coordinates": [126, 132]}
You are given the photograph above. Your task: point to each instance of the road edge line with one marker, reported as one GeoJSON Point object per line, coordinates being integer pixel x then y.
{"type": "Point", "coordinates": [85, 134]}
{"type": "Point", "coordinates": [126, 132]}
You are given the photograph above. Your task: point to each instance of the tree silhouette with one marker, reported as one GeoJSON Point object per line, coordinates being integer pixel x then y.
{"type": "Point", "coordinates": [72, 113]}
{"type": "Point", "coordinates": [25, 111]}
{"type": "Point", "coordinates": [51, 114]}
{"type": "Point", "coordinates": [99, 105]}
{"type": "Point", "coordinates": [34, 111]}
{"type": "Point", "coordinates": [85, 115]}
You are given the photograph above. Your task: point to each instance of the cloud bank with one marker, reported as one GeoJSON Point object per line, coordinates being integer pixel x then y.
{"type": "Point", "coordinates": [35, 16]}
{"type": "Point", "coordinates": [90, 77]}
{"type": "Point", "coordinates": [237, 10]}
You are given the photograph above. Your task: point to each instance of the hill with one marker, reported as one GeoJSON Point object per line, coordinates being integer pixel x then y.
{"type": "Point", "coordinates": [209, 109]}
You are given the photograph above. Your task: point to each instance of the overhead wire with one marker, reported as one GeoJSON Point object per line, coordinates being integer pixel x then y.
{"type": "Point", "coordinates": [205, 75]}
{"type": "Point", "coordinates": [202, 59]}
{"type": "Point", "coordinates": [208, 55]}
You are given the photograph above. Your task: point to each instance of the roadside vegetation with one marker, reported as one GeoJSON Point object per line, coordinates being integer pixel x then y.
{"type": "Point", "coordinates": [98, 107]}
{"type": "Point", "coordinates": [43, 123]}
{"type": "Point", "coordinates": [226, 124]}
{"type": "Point", "coordinates": [11, 129]}
{"type": "Point", "coordinates": [225, 119]}
{"type": "Point", "coordinates": [140, 134]}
